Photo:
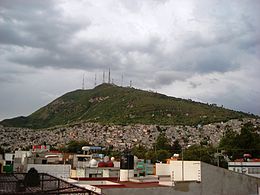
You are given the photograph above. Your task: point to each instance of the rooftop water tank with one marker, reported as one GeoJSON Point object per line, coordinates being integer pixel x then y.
{"type": "Point", "coordinates": [93, 163]}
{"type": "Point", "coordinates": [85, 148]}
{"type": "Point", "coordinates": [110, 164]}
{"type": "Point", "coordinates": [127, 162]}
{"type": "Point", "coordinates": [102, 164]}
{"type": "Point", "coordinates": [106, 159]}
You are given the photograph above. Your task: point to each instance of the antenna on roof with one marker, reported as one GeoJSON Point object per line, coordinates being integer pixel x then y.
{"type": "Point", "coordinates": [109, 75]}
{"type": "Point", "coordinates": [83, 82]}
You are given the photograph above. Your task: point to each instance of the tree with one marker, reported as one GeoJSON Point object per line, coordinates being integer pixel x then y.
{"type": "Point", "coordinates": [162, 155]}
{"type": "Point", "coordinates": [151, 155]}
{"type": "Point", "coordinates": [248, 141]}
{"type": "Point", "coordinates": [199, 152]}
{"type": "Point", "coordinates": [176, 147]}
{"type": "Point", "coordinates": [139, 151]}
{"type": "Point", "coordinates": [228, 142]}
{"type": "Point", "coordinates": [75, 146]}
{"type": "Point", "coordinates": [2, 150]}
{"type": "Point", "coordinates": [162, 142]}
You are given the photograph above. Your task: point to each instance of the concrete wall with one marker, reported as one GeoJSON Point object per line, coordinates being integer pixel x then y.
{"type": "Point", "coordinates": [214, 181]}
{"type": "Point", "coordinates": [184, 189]}
{"type": "Point", "coordinates": [61, 171]}
{"type": "Point", "coordinates": [218, 181]}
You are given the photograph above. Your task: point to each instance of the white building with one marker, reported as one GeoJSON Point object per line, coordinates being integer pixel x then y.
{"type": "Point", "coordinates": [249, 168]}
{"type": "Point", "coordinates": [178, 171]}
{"type": "Point", "coordinates": [188, 177]}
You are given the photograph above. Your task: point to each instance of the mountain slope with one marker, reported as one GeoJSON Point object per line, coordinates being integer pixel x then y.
{"type": "Point", "coordinates": [108, 103]}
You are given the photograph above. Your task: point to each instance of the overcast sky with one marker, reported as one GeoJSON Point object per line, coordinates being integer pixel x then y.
{"type": "Point", "coordinates": [205, 50]}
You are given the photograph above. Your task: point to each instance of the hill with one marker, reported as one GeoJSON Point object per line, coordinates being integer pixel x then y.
{"type": "Point", "coordinates": [108, 103]}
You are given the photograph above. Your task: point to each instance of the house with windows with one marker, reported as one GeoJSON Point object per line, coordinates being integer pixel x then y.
{"type": "Point", "coordinates": [247, 165]}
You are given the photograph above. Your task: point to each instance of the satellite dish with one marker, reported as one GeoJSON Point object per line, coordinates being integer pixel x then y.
{"type": "Point", "coordinates": [106, 159]}
{"type": "Point", "coordinates": [85, 148]}
{"type": "Point", "coordinates": [93, 163]}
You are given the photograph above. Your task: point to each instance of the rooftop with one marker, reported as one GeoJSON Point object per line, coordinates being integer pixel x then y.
{"type": "Point", "coordinates": [113, 182]}
{"type": "Point", "coordinates": [14, 183]}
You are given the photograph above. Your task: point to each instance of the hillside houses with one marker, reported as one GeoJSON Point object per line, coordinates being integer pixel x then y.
{"type": "Point", "coordinates": [117, 136]}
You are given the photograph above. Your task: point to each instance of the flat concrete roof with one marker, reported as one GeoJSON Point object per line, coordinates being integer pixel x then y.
{"type": "Point", "coordinates": [120, 184]}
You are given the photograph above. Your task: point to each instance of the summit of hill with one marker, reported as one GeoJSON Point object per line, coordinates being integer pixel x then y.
{"type": "Point", "coordinates": [111, 104]}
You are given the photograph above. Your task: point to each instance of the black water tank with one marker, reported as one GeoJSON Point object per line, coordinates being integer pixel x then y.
{"type": "Point", "coordinates": [127, 162]}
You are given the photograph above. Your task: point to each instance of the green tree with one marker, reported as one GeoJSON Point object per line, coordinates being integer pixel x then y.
{"type": "Point", "coordinates": [139, 151]}
{"type": "Point", "coordinates": [2, 150]}
{"type": "Point", "coordinates": [151, 155]}
{"type": "Point", "coordinates": [162, 155]}
{"type": "Point", "coordinates": [162, 142]}
{"type": "Point", "coordinates": [176, 147]}
{"type": "Point", "coordinates": [75, 146]}
{"type": "Point", "coordinates": [200, 152]}
{"type": "Point", "coordinates": [229, 142]}
{"type": "Point", "coordinates": [248, 141]}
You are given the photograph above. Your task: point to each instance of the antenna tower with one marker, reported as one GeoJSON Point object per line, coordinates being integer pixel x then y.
{"type": "Point", "coordinates": [103, 76]}
{"type": "Point", "coordinates": [83, 82]}
{"type": "Point", "coordinates": [95, 80]}
{"type": "Point", "coordinates": [122, 80]}
{"type": "Point", "coordinates": [109, 76]}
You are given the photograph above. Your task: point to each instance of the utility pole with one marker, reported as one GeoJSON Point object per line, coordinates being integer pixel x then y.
{"type": "Point", "coordinates": [182, 165]}
{"type": "Point", "coordinates": [218, 157]}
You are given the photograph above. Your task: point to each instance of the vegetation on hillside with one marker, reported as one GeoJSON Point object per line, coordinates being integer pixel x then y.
{"type": "Point", "coordinates": [232, 146]}
{"type": "Point", "coordinates": [247, 142]}
{"type": "Point", "coordinates": [108, 103]}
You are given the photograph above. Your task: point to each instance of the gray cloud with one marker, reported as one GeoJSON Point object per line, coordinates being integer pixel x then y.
{"type": "Point", "coordinates": [157, 45]}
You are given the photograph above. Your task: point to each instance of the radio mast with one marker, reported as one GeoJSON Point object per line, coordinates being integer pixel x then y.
{"type": "Point", "coordinates": [83, 82]}
{"type": "Point", "coordinates": [95, 80]}
{"type": "Point", "coordinates": [122, 80]}
{"type": "Point", "coordinates": [109, 75]}
{"type": "Point", "coordinates": [103, 76]}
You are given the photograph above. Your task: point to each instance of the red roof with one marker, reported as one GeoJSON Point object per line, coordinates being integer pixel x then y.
{"type": "Point", "coordinates": [249, 160]}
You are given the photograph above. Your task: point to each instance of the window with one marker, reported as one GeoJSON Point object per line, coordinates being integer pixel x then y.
{"type": "Point", "coordinates": [254, 170]}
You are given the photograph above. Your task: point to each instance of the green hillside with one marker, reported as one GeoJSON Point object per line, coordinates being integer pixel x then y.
{"type": "Point", "coordinates": [122, 105]}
